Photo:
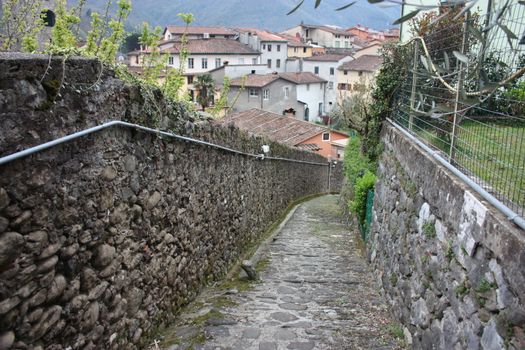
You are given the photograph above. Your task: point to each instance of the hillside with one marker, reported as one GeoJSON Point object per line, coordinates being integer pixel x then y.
{"type": "Point", "coordinates": [255, 13]}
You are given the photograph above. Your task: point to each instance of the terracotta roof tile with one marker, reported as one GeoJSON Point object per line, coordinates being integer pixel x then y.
{"type": "Point", "coordinates": [339, 31]}
{"type": "Point", "coordinates": [260, 80]}
{"type": "Point", "coordinates": [326, 57]}
{"type": "Point", "coordinates": [179, 30]}
{"type": "Point", "coordinates": [302, 77]}
{"type": "Point", "coordinates": [293, 41]}
{"type": "Point", "coordinates": [287, 130]}
{"type": "Point", "coordinates": [367, 63]}
{"type": "Point", "coordinates": [254, 80]}
{"type": "Point", "coordinates": [213, 46]}
{"type": "Point", "coordinates": [263, 35]}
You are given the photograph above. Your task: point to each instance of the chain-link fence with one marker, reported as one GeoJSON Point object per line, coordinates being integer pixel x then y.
{"type": "Point", "coordinates": [465, 94]}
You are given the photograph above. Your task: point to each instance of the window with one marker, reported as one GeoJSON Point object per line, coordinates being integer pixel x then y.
{"type": "Point", "coordinates": [190, 63]}
{"type": "Point", "coordinates": [347, 44]}
{"type": "Point", "coordinates": [253, 71]}
{"type": "Point", "coordinates": [346, 36]}
{"type": "Point", "coordinates": [264, 46]}
{"type": "Point", "coordinates": [170, 60]}
{"type": "Point", "coordinates": [316, 70]}
{"type": "Point", "coordinates": [217, 62]}
{"type": "Point", "coordinates": [266, 94]}
{"type": "Point", "coordinates": [338, 36]}
{"type": "Point", "coordinates": [269, 47]}
{"type": "Point", "coordinates": [360, 73]}
{"type": "Point", "coordinates": [204, 63]}
{"type": "Point", "coordinates": [137, 59]}
{"type": "Point", "coordinates": [332, 71]}
{"type": "Point", "coordinates": [278, 48]}
{"type": "Point", "coordinates": [345, 72]}
{"type": "Point", "coordinates": [278, 64]}
{"type": "Point", "coordinates": [295, 49]}
{"type": "Point", "coordinates": [307, 33]}
{"type": "Point", "coordinates": [326, 136]}
{"type": "Point", "coordinates": [331, 85]}
{"type": "Point", "coordinates": [341, 86]}
{"type": "Point", "coordinates": [286, 92]}
{"type": "Point", "coordinates": [337, 43]}
{"type": "Point", "coordinates": [254, 60]}
{"type": "Point", "coordinates": [254, 93]}
{"type": "Point", "coordinates": [304, 49]}
{"type": "Point", "coordinates": [307, 87]}
{"type": "Point", "coordinates": [190, 79]}
{"type": "Point", "coordinates": [269, 63]}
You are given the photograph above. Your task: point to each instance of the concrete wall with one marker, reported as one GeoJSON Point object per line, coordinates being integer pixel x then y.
{"type": "Point", "coordinates": [452, 267]}
{"type": "Point", "coordinates": [197, 61]}
{"type": "Point", "coordinates": [324, 72]}
{"type": "Point", "coordinates": [366, 79]}
{"type": "Point", "coordinates": [275, 55]}
{"type": "Point", "coordinates": [326, 148]}
{"type": "Point", "coordinates": [102, 238]}
{"type": "Point", "coordinates": [312, 95]}
{"type": "Point", "coordinates": [277, 102]}
{"type": "Point", "coordinates": [237, 70]}
{"type": "Point", "coordinates": [294, 51]}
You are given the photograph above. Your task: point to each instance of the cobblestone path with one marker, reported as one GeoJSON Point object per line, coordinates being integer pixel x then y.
{"type": "Point", "coordinates": [315, 292]}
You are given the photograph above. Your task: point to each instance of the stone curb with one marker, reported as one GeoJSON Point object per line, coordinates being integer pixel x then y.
{"type": "Point", "coordinates": [263, 247]}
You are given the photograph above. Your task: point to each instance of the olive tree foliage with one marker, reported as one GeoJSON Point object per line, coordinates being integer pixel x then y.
{"type": "Point", "coordinates": [20, 23]}
{"type": "Point", "coordinates": [352, 110]}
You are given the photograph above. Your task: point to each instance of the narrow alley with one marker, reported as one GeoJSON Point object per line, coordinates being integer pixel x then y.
{"type": "Point", "coordinates": [315, 291]}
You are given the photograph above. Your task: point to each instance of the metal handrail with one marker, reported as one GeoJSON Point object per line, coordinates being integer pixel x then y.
{"type": "Point", "coordinates": [513, 216]}
{"type": "Point", "coordinates": [70, 137]}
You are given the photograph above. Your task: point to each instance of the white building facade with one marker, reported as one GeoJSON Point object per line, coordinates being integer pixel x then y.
{"type": "Point", "coordinates": [325, 67]}
{"type": "Point", "coordinates": [273, 48]}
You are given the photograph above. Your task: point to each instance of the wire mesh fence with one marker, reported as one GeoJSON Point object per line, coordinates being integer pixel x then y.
{"type": "Point", "coordinates": [465, 94]}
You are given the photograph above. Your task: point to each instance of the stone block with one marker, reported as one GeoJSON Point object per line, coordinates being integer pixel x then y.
{"type": "Point", "coordinates": [10, 243]}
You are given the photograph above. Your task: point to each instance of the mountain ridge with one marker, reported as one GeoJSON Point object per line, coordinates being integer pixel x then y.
{"type": "Point", "coordinates": [270, 15]}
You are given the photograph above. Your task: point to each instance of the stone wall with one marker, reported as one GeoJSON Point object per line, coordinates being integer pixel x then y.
{"type": "Point", "coordinates": [451, 266]}
{"type": "Point", "coordinates": [102, 238]}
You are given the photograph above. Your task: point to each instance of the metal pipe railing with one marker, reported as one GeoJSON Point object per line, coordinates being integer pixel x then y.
{"type": "Point", "coordinates": [76, 135]}
{"type": "Point", "coordinates": [513, 216]}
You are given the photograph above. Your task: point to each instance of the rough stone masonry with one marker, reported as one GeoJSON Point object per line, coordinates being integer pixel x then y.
{"type": "Point", "coordinates": [102, 239]}
{"type": "Point", "coordinates": [452, 267]}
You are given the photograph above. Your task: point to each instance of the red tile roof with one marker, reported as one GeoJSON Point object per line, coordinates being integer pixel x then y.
{"type": "Point", "coordinates": [263, 35]}
{"type": "Point", "coordinates": [179, 30]}
{"type": "Point", "coordinates": [293, 41]}
{"type": "Point", "coordinates": [287, 130]}
{"type": "Point", "coordinates": [333, 30]}
{"type": "Point", "coordinates": [213, 46]}
{"type": "Point", "coordinates": [254, 80]}
{"type": "Point", "coordinates": [326, 57]}
{"type": "Point", "coordinates": [367, 63]}
{"type": "Point", "coordinates": [302, 77]}
{"type": "Point", "coordinates": [260, 80]}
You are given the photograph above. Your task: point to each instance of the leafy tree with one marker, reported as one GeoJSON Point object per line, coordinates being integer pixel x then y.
{"type": "Point", "coordinates": [205, 87]}
{"type": "Point", "coordinates": [110, 45]}
{"type": "Point", "coordinates": [62, 36]}
{"type": "Point", "coordinates": [20, 24]}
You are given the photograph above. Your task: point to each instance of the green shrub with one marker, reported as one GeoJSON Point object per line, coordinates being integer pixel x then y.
{"type": "Point", "coordinates": [355, 164]}
{"type": "Point", "coordinates": [517, 97]}
{"type": "Point", "coordinates": [362, 186]}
